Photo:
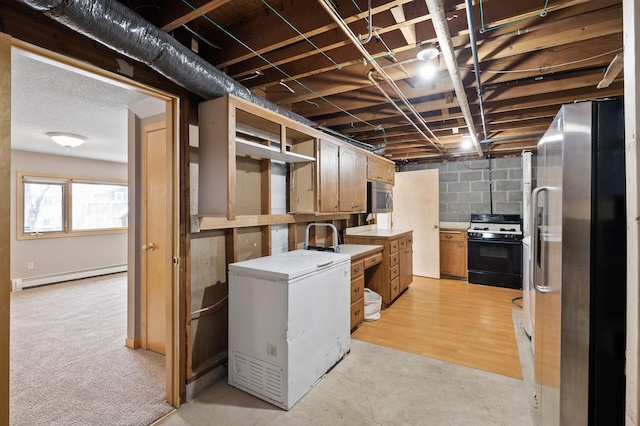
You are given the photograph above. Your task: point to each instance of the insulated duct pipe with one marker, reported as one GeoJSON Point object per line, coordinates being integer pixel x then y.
{"type": "Point", "coordinates": [356, 41]}
{"type": "Point", "coordinates": [439, 20]}
{"type": "Point", "coordinates": [120, 29]}
{"type": "Point", "coordinates": [476, 64]}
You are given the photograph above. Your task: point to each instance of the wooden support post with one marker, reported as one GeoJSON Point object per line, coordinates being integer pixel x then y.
{"type": "Point", "coordinates": [231, 248]}
{"type": "Point", "coordinates": [266, 240]}
{"type": "Point", "coordinates": [292, 235]}
{"type": "Point", "coordinates": [5, 185]}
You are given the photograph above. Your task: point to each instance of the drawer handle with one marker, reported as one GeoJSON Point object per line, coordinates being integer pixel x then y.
{"type": "Point", "coordinates": [356, 290]}
{"type": "Point", "coordinates": [448, 237]}
{"type": "Point", "coordinates": [356, 313]}
{"type": "Point", "coordinates": [373, 259]}
{"type": "Point", "coordinates": [451, 232]}
{"type": "Point", "coordinates": [357, 269]}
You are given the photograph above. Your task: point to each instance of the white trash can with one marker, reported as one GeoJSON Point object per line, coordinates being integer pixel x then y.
{"type": "Point", "coordinates": [372, 304]}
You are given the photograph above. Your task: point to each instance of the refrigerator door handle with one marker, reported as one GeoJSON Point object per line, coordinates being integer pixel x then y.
{"type": "Point", "coordinates": [535, 242]}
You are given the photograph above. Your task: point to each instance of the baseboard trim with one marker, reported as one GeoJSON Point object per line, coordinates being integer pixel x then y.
{"type": "Point", "coordinates": [18, 284]}
{"type": "Point", "coordinates": [133, 343]}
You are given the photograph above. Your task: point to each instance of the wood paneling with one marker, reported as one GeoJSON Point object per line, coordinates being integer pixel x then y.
{"type": "Point", "coordinates": [452, 321]}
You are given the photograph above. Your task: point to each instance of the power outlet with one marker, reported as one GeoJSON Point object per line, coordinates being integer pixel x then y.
{"type": "Point", "coordinates": [30, 266]}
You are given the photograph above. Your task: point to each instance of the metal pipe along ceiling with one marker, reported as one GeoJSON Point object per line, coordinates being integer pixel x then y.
{"type": "Point", "coordinates": [117, 27]}
{"type": "Point", "coordinates": [439, 20]}
{"type": "Point", "coordinates": [356, 41]}
{"type": "Point", "coordinates": [476, 64]}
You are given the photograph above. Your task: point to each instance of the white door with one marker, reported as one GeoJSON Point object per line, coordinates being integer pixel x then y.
{"type": "Point", "coordinates": [416, 206]}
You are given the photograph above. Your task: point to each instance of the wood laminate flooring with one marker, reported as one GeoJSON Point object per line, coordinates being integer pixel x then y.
{"type": "Point", "coordinates": [453, 321]}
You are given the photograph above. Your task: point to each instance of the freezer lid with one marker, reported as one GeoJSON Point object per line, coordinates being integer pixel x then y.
{"type": "Point", "coordinates": [290, 265]}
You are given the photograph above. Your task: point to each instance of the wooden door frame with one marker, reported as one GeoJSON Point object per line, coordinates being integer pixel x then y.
{"type": "Point", "coordinates": [5, 214]}
{"type": "Point", "coordinates": [174, 387]}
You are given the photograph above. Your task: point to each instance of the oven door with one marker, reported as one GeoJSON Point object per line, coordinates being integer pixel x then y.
{"type": "Point", "coordinates": [495, 262]}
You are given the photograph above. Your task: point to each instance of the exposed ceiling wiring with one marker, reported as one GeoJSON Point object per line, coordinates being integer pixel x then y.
{"type": "Point", "coordinates": [274, 66]}
{"type": "Point", "coordinates": [484, 29]}
{"type": "Point", "coordinates": [255, 74]}
{"type": "Point", "coordinates": [433, 139]}
{"type": "Point", "coordinates": [302, 35]}
{"type": "Point", "coordinates": [195, 34]}
{"type": "Point", "coordinates": [547, 67]}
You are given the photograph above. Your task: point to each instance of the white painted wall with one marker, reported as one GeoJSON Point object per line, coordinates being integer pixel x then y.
{"type": "Point", "coordinates": [54, 256]}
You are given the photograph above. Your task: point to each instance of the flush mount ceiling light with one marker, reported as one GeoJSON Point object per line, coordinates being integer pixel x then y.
{"type": "Point", "coordinates": [467, 142]}
{"type": "Point", "coordinates": [428, 52]}
{"type": "Point", "coordinates": [67, 140]}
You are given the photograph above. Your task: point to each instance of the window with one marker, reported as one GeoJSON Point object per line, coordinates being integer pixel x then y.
{"type": "Point", "coordinates": [53, 206]}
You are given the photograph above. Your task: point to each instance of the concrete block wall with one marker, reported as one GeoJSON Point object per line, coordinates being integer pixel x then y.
{"type": "Point", "coordinates": [464, 186]}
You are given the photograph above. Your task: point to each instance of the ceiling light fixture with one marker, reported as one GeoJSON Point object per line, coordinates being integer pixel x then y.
{"type": "Point", "coordinates": [467, 142]}
{"type": "Point", "coordinates": [67, 140]}
{"type": "Point", "coordinates": [428, 52]}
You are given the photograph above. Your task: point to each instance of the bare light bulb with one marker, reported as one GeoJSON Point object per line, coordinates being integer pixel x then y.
{"type": "Point", "coordinates": [428, 70]}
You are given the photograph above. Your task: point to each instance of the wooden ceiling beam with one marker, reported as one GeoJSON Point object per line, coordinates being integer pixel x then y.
{"type": "Point", "coordinates": [588, 26]}
{"type": "Point", "coordinates": [310, 19]}
{"type": "Point", "coordinates": [182, 14]}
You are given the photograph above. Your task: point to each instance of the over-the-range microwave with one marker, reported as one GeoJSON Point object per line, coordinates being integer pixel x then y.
{"type": "Point", "coordinates": [379, 197]}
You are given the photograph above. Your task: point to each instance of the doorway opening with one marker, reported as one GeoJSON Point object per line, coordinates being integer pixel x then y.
{"type": "Point", "coordinates": [54, 93]}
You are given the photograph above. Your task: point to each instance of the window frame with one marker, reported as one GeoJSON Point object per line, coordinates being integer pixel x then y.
{"type": "Point", "coordinates": [66, 182]}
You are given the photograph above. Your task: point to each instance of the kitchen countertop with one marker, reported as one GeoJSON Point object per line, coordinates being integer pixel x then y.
{"type": "Point", "coordinates": [385, 233]}
{"type": "Point", "coordinates": [454, 225]}
{"type": "Point", "coordinates": [358, 249]}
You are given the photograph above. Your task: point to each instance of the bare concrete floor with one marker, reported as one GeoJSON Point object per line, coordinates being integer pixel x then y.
{"type": "Point", "coordinates": [374, 385]}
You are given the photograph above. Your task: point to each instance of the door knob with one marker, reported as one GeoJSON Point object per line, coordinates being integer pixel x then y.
{"type": "Point", "coordinates": [435, 226]}
{"type": "Point", "coordinates": [149, 247]}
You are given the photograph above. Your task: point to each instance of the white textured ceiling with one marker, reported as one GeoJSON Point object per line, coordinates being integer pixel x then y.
{"type": "Point", "coordinates": [49, 98]}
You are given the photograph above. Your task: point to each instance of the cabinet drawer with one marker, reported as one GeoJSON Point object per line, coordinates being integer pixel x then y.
{"type": "Point", "coordinates": [357, 312]}
{"type": "Point", "coordinates": [409, 240]}
{"type": "Point", "coordinates": [357, 288]}
{"type": "Point", "coordinates": [357, 269]}
{"type": "Point", "coordinates": [394, 258]}
{"type": "Point", "coordinates": [393, 246]}
{"type": "Point", "coordinates": [395, 271]}
{"type": "Point", "coordinates": [372, 260]}
{"type": "Point", "coordinates": [395, 288]}
{"type": "Point", "coordinates": [453, 236]}
{"type": "Point", "coordinates": [402, 243]}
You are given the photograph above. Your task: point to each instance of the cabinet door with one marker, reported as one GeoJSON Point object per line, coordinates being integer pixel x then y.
{"type": "Point", "coordinates": [353, 182]}
{"type": "Point", "coordinates": [374, 168]}
{"type": "Point", "coordinates": [328, 176]}
{"type": "Point", "coordinates": [406, 263]}
{"type": "Point", "coordinates": [390, 173]}
{"type": "Point", "coordinates": [453, 254]}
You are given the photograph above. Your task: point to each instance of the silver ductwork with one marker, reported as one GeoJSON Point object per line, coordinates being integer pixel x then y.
{"type": "Point", "coordinates": [119, 28]}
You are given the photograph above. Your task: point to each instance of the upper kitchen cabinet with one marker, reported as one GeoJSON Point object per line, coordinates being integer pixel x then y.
{"type": "Point", "coordinates": [341, 181]}
{"type": "Point", "coordinates": [238, 142]}
{"type": "Point", "coordinates": [353, 182]}
{"type": "Point", "coordinates": [380, 169]}
{"type": "Point", "coordinates": [329, 179]}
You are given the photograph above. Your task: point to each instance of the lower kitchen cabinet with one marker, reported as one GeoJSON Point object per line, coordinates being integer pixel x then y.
{"type": "Point", "coordinates": [453, 253]}
{"type": "Point", "coordinates": [394, 274]}
{"type": "Point", "coordinates": [357, 293]}
{"type": "Point", "coordinates": [363, 257]}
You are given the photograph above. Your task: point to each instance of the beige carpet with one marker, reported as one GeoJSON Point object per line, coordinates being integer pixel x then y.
{"type": "Point", "coordinates": [69, 365]}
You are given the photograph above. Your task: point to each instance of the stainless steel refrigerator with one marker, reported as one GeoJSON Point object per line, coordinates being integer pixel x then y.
{"type": "Point", "coordinates": [578, 266]}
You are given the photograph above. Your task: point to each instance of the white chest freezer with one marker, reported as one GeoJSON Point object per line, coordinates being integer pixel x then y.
{"type": "Point", "coordinates": [289, 322]}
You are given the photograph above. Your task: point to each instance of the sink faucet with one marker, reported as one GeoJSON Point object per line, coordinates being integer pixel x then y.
{"type": "Point", "coordinates": [335, 235]}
